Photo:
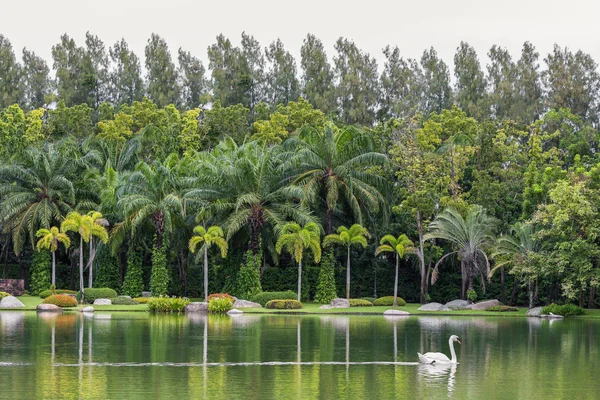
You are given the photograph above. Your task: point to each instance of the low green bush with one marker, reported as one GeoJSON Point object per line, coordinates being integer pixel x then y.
{"type": "Point", "coordinates": [501, 308]}
{"type": "Point", "coordinates": [91, 294]}
{"type": "Point", "coordinates": [284, 304]}
{"type": "Point", "coordinates": [220, 295]}
{"type": "Point", "coordinates": [3, 295]}
{"type": "Point", "coordinates": [61, 300]}
{"type": "Point", "coordinates": [369, 299]}
{"type": "Point", "coordinates": [264, 297]}
{"type": "Point", "coordinates": [48, 292]}
{"type": "Point", "coordinates": [360, 303]}
{"type": "Point", "coordinates": [142, 300]}
{"type": "Point", "coordinates": [123, 301]}
{"type": "Point", "coordinates": [220, 305]}
{"type": "Point", "coordinates": [565, 309]}
{"type": "Point", "coordinates": [471, 295]}
{"type": "Point", "coordinates": [165, 304]}
{"type": "Point", "coordinates": [388, 301]}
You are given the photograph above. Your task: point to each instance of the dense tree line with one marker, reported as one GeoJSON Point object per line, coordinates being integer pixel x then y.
{"type": "Point", "coordinates": [492, 179]}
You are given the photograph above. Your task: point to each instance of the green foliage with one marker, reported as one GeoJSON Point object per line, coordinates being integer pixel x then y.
{"type": "Point", "coordinates": [61, 300]}
{"type": "Point", "coordinates": [220, 296]}
{"type": "Point", "coordinates": [123, 301]}
{"type": "Point", "coordinates": [40, 272]}
{"type": "Point", "coordinates": [471, 295]}
{"type": "Point", "coordinates": [220, 305]}
{"type": "Point", "coordinates": [565, 310]}
{"type": "Point", "coordinates": [502, 308]}
{"type": "Point", "coordinates": [369, 299]}
{"type": "Point", "coordinates": [133, 285]}
{"type": "Point", "coordinates": [91, 294]}
{"type": "Point", "coordinates": [49, 292]}
{"type": "Point", "coordinates": [3, 295]}
{"type": "Point", "coordinates": [159, 281]}
{"type": "Point", "coordinates": [360, 303]}
{"type": "Point", "coordinates": [165, 304]}
{"type": "Point", "coordinates": [264, 297]}
{"type": "Point", "coordinates": [388, 301]}
{"type": "Point", "coordinates": [326, 284]}
{"type": "Point", "coordinates": [284, 305]}
{"type": "Point", "coordinates": [142, 300]}
{"type": "Point", "coordinates": [107, 274]}
{"type": "Point", "coordinates": [248, 277]}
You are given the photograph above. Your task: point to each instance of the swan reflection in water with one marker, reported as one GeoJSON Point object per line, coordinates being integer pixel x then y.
{"type": "Point", "coordinates": [438, 373]}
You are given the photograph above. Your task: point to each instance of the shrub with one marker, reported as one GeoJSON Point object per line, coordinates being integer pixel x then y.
{"type": "Point", "coordinates": [284, 304]}
{"type": "Point", "coordinates": [133, 285]}
{"type": "Point", "coordinates": [91, 294]}
{"type": "Point", "coordinates": [108, 270]}
{"type": "Point", "coordinates": [360, 303]}
{"type": "Point", "coordinates": [501, 308]}
{"type": "Point", "coordinates": [159, 280]}
{"type": "Point", "coordinates": [248, 277]}
{"type": "Point", "coordinates": [220, 305]}
{"type": "Point", "coordinates": [48, 292]}
{"type": "Point", "coordinates": [565, 310]}
{"type": "Point", "coordinates": [264, 297]}
{"type": "Point", "coordinates": [165, 304]}
{"type": "Point", "coordinates": [471, 295]}
{"type": "Point", "coordinates": [326, 283]}
{"type": "Point", "coordinates": [371, 299]}
{"type": "Point", "coordinates": [61, 300]}
{"type": "Point", "coordinates": [40, 272]}
{"type": "Point", "coordinates": [142, 300]}
{"type": "Point", "coordinates": [388, 301]}
{"type": "Point", "coordinates": [3, 295]}
{"type": "Point", "coordinates": [220, 296]}
{"type": "Point", "coordinates": [123, 301]}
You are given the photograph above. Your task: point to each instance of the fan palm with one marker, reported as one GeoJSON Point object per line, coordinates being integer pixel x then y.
{"type": "Point", "coordinates": [295, 239]}
{"type": "Point", "coordinates": [334, 164]}
{"type": "Point", "coordinates": [400, 246]}
{"type": "Point", "coordinates": [469, 236]}
{"type": "Point", "coordinates": [208, 237]}
{"type": "Point", "coordinates": [50, 239]}
{"type": "Point", "coordinates": [355, 236]}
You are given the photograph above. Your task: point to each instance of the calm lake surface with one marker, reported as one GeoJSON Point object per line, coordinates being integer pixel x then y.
{"type": "Point", "coordinates": [136, 355]}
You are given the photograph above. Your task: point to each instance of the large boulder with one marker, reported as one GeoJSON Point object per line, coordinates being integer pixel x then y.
{"type": "Point", "coordinates": [245, 304]}
{"type": "Point", "coordinates": [102, 302]}
{"type": "Point", "coordinates": [11, 302]}
{"type": "Point", "coordinates": [483, 305]}
{"type": "Point", "coordinates": [395, 313]}
{"type": "Point", "coordinates": [339, 303]}
{"type": "Point", "coordinates": [196, 307]}
{"type": "Point", "coordinates": [457, 304]}
{"type": "Point", "coordinates": [433, 307]}
{"type": "Point", "coordinates": [534, 312]}
{"type": "Point", "coordinates": [235, 311]}
{"type": "Point", "coordinates": [88, 309]}
{"type": "Point", "coordinates": [48, 308]}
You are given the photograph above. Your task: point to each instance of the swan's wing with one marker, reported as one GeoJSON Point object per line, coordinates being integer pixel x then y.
{"type": "Point", "coordinates": [436, 356]}
{"type": "Point", "coordinates": [425, 360]}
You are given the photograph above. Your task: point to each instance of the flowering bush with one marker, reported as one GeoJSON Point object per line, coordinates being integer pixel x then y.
{"type": "Point", "coordinates": [61, 300]}
{"type": "Point", "coordinates": [220, 295]}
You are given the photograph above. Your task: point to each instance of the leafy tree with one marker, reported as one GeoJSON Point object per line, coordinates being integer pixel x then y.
{"type": "Point", "coordinates": [37, 84]}
{"type": "Point", "coordinates": [437, 93]}
{"type": "Point", "coordinates": [50, 239]}
{"type": "Point", "coordinates": [282, 83]}
{"type": "Point", "coordinates": [295, 239]}
{"type": "Point", "coordinates": [11, 88]}
{"type": "Point", "coordinates": [501, 78]}
{"type": "Point", "coordinates": [470, 81]}
{"type": "Point", "coordinates": [133, 284]}
{"type": "Point", "coordinates": [40, 272]}
{"type": "Point", "coordinates": [529, 86]}
{"type": "Point", "coordinates": [247, 283]}
{"type": "Point", "coordinates": [317, 75]}
{"type": "Point", "coordinates": [162, 76]}
{"type": "Point", "coordinates": [160, 278]}
{"type": "Point", "coordinates": [206, 238]}
{"type": "Point", "coordinates": [228, 72]}
{"type": "Point", "coordinates": [126, 81]}
{"type": "Point", "coordinates": [194, 85]}
{"type": "Point", "coordinates": [355, 236]}
{"type": "Point", "coordinates": [400, 246]}
{"type": "Point", "coordinates": [96, 78]}
{"type": "Point", "coordinates": [326, 283]}
{"type": "Point", "coordinates": [253, 67]}
{"type": "Point", "coordinates": [401, 84]}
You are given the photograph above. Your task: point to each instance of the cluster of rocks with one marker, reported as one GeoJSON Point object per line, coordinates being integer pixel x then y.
{"type": "Point", "coordinates": [456, 305]}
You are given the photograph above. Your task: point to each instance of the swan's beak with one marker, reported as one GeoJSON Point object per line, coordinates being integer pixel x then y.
{"type": "Point", "coordinates": [458, 340]}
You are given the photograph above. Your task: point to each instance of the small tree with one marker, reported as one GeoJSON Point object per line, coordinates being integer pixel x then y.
{"type": "Point", "coordinates": [159, 280]}
{"type": "Point", "coordinates": [49, 239]}
{"type": "Point", "coordinates": [355, 236]}
{"type": "Point", "coordinates": [326, 284]}
{"type": "Point", "coordinates": [295, 239]}
{"type": "Point", "coordinates": [400, 246]}
{"type": "Point", "coordinates": [133, 285]}
{"type": "Point", "coordinates": [97, 229]}
{"type": "Point", "coordinates": [75, 222]}
{"type": "Point", "coordinates": [214, 235]}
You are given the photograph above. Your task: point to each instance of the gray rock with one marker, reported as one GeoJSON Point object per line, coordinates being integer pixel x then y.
{"type": "Point", "coordinates": [196, 307]}
{"type": "Point", "coordinates": [124, 297]}
{"type": "Point", "coordinates": [246, 304]}
{"type": "Point", "coordinates": [88, 309]}
{"type": "Point", "coordinates": [325, 307]}
{"type": "Point", "coordinates": [102, 302]}
{"type": "Point", "coordinates": [11, 302]}
{"type": "Point", "coordinates": [339, 303]}
{"type": "Point", "coordinates": [235, 311]}
{"type": "Point", "coordinates": [433, 307]}
{"type": "Point", "coordinates": [48, 308]}
{"type": "Point", "coordinates": [482, 305]}
{"type": "Point", "coordinates": [534, 312]}
{"type": "Point", "coordinates": [146, 294]}
{"type": "Point", "coordinates": [395, 313]}
{"type": "Point", "coordinates": [457, 304]}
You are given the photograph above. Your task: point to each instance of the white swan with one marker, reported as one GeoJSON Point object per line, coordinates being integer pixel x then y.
{"type": "Point", "coordinates": [441, 358]}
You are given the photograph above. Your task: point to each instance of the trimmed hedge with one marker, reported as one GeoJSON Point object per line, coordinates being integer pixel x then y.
{"type": "Point", "coordinates": [565, 310]}
{"type": "Point", "coordinates": [284, 304]}
{"type": "Point", "coordinates": [61, 300]}
{"type": "Point", "coordinates": [91, 294]}
{"type": "Point", "coordinates": [48, 292]}
{"type": "Point", "coordinates": [501, 308]}
{"type": "Point", "coordinates": [369, 299]}
{"type": "Point", "coordinates": [360, 303]}
{"type": "Point", "coordinates": [168, 304]}
{"type": "Point", "coordinates": [264, 297]}
{"type": "Point", "coordinates": [388, 301]}
{"type": "Point", "coordinates": [123, 301]}
{"type": "Point", "coordinates": [220, 305]}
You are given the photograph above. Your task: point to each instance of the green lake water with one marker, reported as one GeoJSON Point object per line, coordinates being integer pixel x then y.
{"type": "Point", "coordinates": [141, 356]}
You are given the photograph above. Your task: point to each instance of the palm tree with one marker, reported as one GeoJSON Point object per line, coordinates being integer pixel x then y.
{"type": "Point", "coordinates": [97, 228]}
{"type": "Point", "coordinates": [355, 236]}
{"type": "Point", "coordinates": [75, 222]}
{"type": "Point", "coordinates": [469, 236]}
{"type": "Point", "coordinates": [49, 239]}
{"type": "Point", "coordinates": [208, 237]}
{"type": "Point", "coordinates": [518, 250]}
{"type": "Point", "coordinates": [333, 163]}
{"type": "Point", "coordinates": [295, 239]}
{"type": "Point", "coordinates": [35, 192]}
{"type": "Point", "coordinates": [400, 246]}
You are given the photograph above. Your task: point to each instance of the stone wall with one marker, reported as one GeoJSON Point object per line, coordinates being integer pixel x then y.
{"type": "Point", "coordinates": [16, 287]}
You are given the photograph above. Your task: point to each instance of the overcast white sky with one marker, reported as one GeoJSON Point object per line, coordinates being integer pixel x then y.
{"type": "Point", "coordinates": [411, 25]}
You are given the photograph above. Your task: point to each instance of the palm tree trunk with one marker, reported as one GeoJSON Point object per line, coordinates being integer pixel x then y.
{"type": "Point", "coordinates": [205, 274]}
{"type": "Point", "coordinates": [299, 279]}
{"type": "Point", "coordinates": [348, 275]}
{"type": "Point", "coordinates": [81, 266]}
{"type": "Point", "coordinates": [502, 288]}
{"type": "Point", "coordinates": [591, 297]}
{"type": "Point", "coordinates": [54, 269]}
{"type": "Point", "coordinates": [530, 295]}
{"type": "Point", "coordinates": [329, 221]}
{"type": "Point", "coordinates": [421, 256]}
{"type": "Point", "coordinates": [463, 287]}
{"type": "Point", "coordinates": [396, 283]}
{"type": "Point", "coordinates": [91, 263]}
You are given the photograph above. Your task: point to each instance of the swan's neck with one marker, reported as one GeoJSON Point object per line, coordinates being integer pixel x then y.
{"type": "Point", "coordinates": [452, 353]}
